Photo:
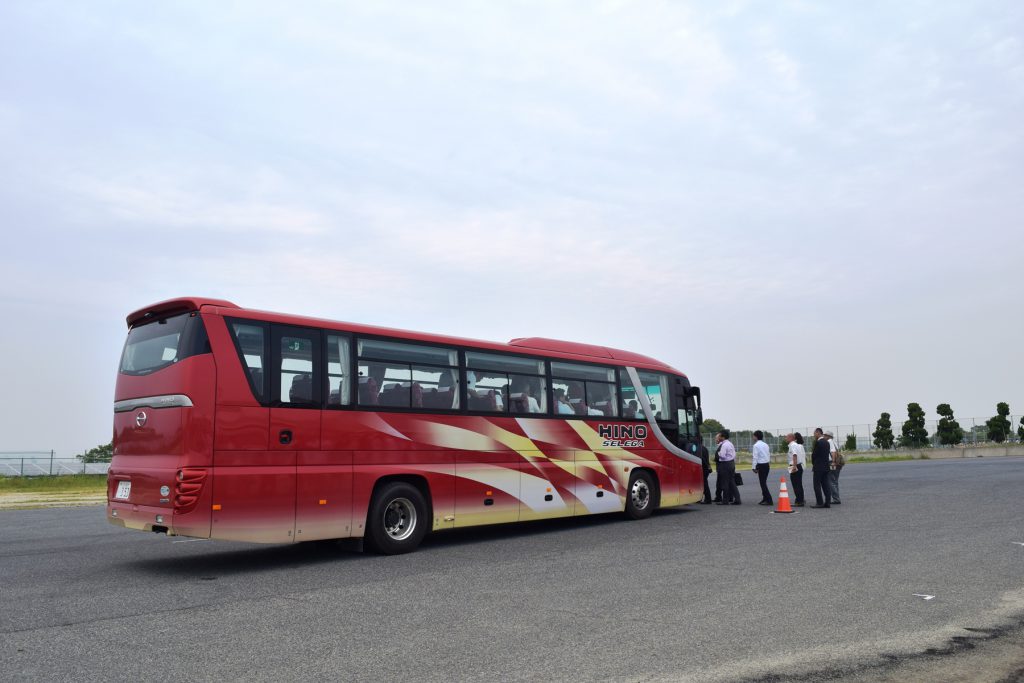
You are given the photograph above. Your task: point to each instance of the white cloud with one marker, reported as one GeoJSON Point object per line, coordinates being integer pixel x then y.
{"type": "Point", "coordinates": [718, 173]}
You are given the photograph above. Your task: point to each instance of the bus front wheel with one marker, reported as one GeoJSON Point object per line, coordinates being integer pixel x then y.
{"type": "Point", "coordinates": [640, 496]}
{"type": "Point", "coordinates": [398, 519]}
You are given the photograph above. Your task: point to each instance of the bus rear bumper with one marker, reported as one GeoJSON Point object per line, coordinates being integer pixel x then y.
{"type": "Point", "coordinates": [138, 517]}
{"type": "Point", "coordinates": [194, 524]}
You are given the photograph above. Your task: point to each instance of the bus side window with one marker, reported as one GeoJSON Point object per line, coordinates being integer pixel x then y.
{"type": "Point", "coordinates": [296, 369]}
{"type": "Point", "coordinates": [655, 385]}
{"type": "Point", "coordinates": [250, 341]}
{"type": "Point", "coordinates": [339, 383]}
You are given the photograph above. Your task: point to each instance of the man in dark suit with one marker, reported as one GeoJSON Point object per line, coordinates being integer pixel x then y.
{"type": "Point", "coordinates": [821, 458]}
{"type": "Point", "coordinates": [706, 466]}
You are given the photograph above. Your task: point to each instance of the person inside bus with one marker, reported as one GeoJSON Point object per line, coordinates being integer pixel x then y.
{"type": "Point", "coordinates": [632, 410]}
{"type": "Point", "coordinates": [531, 397]}
{"type": "Point", "coordinates": [593, 409]}
{"type": "Point", "coordinates": [600, 400]}
{"type": "Point", "coordinates": [562, 403]}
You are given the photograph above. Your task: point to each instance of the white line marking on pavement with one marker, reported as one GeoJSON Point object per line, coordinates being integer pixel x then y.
{"type": "Point", "coordinates": [191, 540]}
{"type": "Point", "coordinates": [1018, 543]}
{"type": "Point", "coordinates": [926, 597]}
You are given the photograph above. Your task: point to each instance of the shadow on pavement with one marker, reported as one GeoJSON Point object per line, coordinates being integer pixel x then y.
{"type": "Point", "coordinates": [498, 532]}
{"type": "Point", "coordinates": [210, 560]}
{"type": "Point", "coordinates": [212, 563]}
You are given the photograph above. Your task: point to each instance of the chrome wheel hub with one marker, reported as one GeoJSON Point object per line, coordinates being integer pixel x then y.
{"type": "Point", "coordinates": [640, 494]}
{"type": "Point", "coordinates": [400, 519]}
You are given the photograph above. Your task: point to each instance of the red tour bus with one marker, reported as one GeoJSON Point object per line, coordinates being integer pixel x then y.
{"type": "Point", "coordinates": [244, 425]}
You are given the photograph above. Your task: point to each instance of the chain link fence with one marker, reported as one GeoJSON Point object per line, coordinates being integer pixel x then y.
{"type": "Point", "coordinates": [40, 463]}
{"type": "Point", "coordinates": [43, 463]}
{"type": "Point", "coordinates": [975, 433]}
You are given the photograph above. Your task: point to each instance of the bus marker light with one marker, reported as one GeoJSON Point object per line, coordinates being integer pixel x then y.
{"type": "Point", "coordinates": [548, 489]}
{"type": "Point", "coordinates": [216, 507]}
{"type": "Point", "coordinates": [490, 493]}
{"type": "Point", "coordinates": [323, 501]}
{"type": "Point", "coordinates": [600, 486]}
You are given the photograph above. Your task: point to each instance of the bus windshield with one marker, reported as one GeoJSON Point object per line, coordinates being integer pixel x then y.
{"type": "Point", "coordinates": [153, 346]}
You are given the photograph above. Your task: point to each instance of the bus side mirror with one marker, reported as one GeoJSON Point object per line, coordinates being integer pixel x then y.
{"type": "Point", "coordinates": [698, 416]}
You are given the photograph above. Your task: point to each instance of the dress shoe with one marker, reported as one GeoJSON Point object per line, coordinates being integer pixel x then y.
{"type": "Point", "coordinates": [798, 505]}
{"type": "Point", "coordinates": [820, 506]}
{"type": "Point", "coordinates": [704, 502]}
{"type": "Point", "coordinates": [836, 502]}
{"type": "Point", "coordinates": [721, 503]}
{"type": "Point", "coordinates": [765, 502]}
{"type": "Point", "coordinates": [736, 503]}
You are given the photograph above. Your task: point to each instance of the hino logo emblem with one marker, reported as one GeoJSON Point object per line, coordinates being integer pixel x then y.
{"type": "Point", "coordinates": [140, 419]}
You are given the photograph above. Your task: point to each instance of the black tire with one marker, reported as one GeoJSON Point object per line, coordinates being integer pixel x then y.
{"type": "Point", "coordinates": [397, 520]}
{"type": "Point", "coordinates": [641, 496]}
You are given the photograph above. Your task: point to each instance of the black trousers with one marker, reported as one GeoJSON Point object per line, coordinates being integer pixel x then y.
{"type": "Point", "coordinates": [822, 487]}
{"type": "Point", "coordinates": [798, 483]}
{"type": "Point", "coordinates": [707, 490]}
{"type": "Point", "coordinates": [727, 476]}
{"type": "Point", "coordinates": [762, 476]}
{"type": "Point", "coordinates": [718, 481]}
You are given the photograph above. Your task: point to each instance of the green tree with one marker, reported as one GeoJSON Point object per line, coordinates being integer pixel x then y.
{"type": "Point", "coordinates": [914, 433]}
{"type": "Point", "coordinates": [1020, 430]}
{"type": "Point", "coordinates": [851, 442]}
{"type": "Point", "coordinates": [99, 454]}
{"type": "Point", "coordinates": [711, 426]}
{"type": "Point", "coordinates": [883, 435]}
{"type": "Point", "coordinates": [949, 430]}
{"type": "Point", "coordinates": [999, 426]}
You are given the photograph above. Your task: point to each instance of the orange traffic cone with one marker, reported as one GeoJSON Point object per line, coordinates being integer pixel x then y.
{"type": "Point", "coordinates": [784, 505]}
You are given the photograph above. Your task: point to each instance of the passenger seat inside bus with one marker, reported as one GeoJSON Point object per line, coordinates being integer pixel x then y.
{"type": "Point", "coordinates": [368, 391]}
{"type": "Point", "coordinates": [301, 390]}
{"type": "Point", "coordinates": [576, 399]}
{"type": "Point", "coordinates": [439, 398]}
{"type": "Point", "coordinates": [395, 394]}
{"type": "Point", "coordinates": [484, 400]}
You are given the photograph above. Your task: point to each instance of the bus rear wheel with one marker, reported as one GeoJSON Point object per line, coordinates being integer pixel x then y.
{"type": "Point", "coordinates": [640, 496]}
{"type": "Point", "coordinates": [397, 520]}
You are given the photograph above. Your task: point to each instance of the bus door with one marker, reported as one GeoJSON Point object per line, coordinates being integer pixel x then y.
{"type": "Point", "coordinates": [296, 386]}
{"type": "Point", "coordinates": [323, 486]}
{"type": "Point", "coordinates": [688, 417]}
{"type": "Point", "coordinates": [255, 478]}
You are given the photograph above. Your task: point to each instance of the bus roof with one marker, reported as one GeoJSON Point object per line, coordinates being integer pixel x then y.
{"type": "Point", "coordinates": [171, 306]}
{"type": "Point", "coordinates": [538, 345]}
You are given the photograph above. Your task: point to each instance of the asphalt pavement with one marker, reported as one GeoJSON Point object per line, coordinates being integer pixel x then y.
{"type": "Point", "coordinates": [920, 569]}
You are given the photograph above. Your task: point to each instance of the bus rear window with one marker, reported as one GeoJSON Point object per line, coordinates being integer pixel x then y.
{"type": "Point", "coordinates": [158, 344]}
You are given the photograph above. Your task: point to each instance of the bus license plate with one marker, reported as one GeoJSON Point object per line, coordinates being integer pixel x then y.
{"type": "Point", "coordinates": [123, 489]}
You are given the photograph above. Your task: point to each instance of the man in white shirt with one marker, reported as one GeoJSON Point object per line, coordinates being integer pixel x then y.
{"type": "Point", "coordinates": [762, 456]}
{"type": "Point", "coordinates": [727, 469]}
{"type": "Point", "coordinates": [797, 460]}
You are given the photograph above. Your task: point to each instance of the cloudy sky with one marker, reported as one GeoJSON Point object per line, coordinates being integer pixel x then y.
{"type": "Point", "coordinates": [813, 209]}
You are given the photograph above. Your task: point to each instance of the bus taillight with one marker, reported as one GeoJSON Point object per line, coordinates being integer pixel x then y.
{"type": "Point", "coordinates": [187, 490]}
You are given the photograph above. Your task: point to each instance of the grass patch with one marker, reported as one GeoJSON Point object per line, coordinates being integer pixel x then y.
{"type": "Point", "coordinates": [71, 483]}
{"type": "Point", "coordinates": [885, 458]}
